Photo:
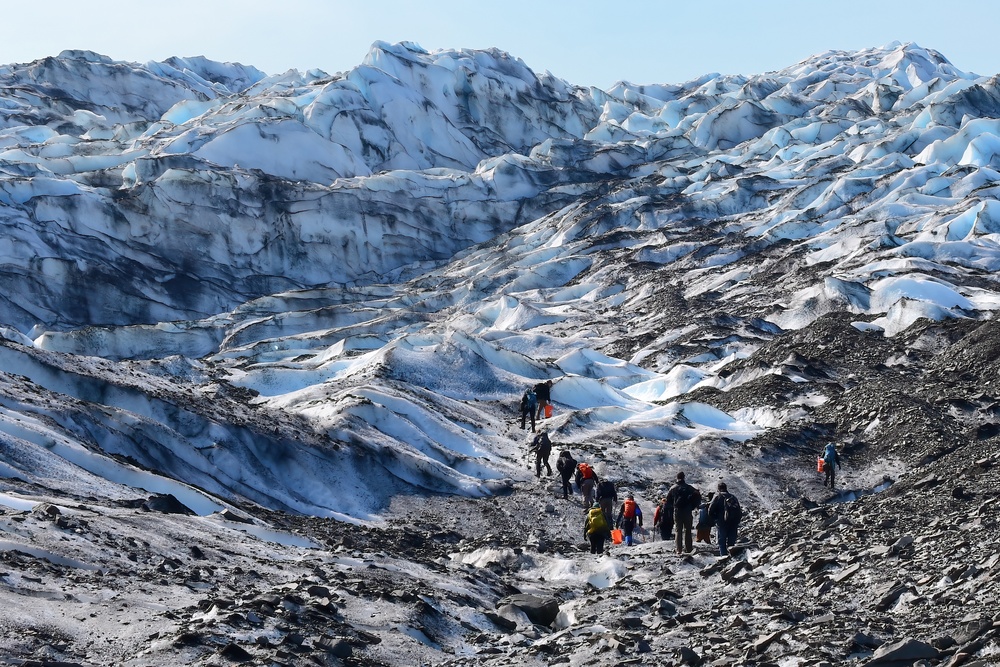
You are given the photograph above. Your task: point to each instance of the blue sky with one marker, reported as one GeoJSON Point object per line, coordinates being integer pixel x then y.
{"type": "Point", "coordinates": [584, 42]}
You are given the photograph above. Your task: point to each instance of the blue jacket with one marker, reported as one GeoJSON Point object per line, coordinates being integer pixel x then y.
{"type": "Point", "coordinates": [830, 455]}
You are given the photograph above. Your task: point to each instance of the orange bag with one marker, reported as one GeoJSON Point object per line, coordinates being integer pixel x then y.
{"type": "Point", "coordinates": [820, 465]}
{"type": "Point", "coordinates": [548, 410]}
{"type": "Point", "coordinates": [617, 536]}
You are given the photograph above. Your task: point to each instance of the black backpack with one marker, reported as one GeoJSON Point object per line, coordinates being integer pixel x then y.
{"type": "Point", "coordinates": [687, 498]}
{"type": "Point", "coordinates": [731, 510]}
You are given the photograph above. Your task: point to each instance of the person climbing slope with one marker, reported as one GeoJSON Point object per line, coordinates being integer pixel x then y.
{"type": "Point", "coordinates": [542, 447]}
{"type": "Point", "coordinates": [607, 495]}
{"type": "Point", "coordinates": [566, 465]}
{"type": "Point", "coordinates": [543, 392]}
{"type": "Point", "coordinates": [528, 404]}
{"type": "Point", "coordinates": [596, 528]}
{"type": "Point", "coordinates": [628, 515]}
{"type": "Point", "coordinates": [586, 481]}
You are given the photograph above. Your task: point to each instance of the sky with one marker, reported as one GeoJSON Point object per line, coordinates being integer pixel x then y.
{"type": "Point", "coordinates": [584, 42]}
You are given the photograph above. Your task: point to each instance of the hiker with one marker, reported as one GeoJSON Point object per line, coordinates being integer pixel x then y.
{"type": "Point", "coordinates": [830, 460]}
{"type": "Point", "coordinates": [566, 465]}
{"type": "Point", "coordinates": [606, 494]}
{"type": "Point", "coordinates": [542, 447]}
{"type": "Point", "coordinates": [628, 515]}
{"type": "Point", "coordinates": [685, 499]}
{"type": "Point", "coordinates": [528, 404]}
{"type": "Point", "coordinates": [586, 482]}
{"type": "Point", "coordinates": [543, 392]}
{"type": "Point", "coordinates": [663, 518]}
{"type": "Point", "coordinates": [703, 529]}
{"type": "Point", "coordinates": [596, 528]}
{"type": "Point", "coordinates": [726, 512]}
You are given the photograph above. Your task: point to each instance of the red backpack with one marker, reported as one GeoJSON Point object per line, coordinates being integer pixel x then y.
{"type": "Point", "coordinates": [586, 472]}
{"type": "Point", "coordinates": [630, 506]}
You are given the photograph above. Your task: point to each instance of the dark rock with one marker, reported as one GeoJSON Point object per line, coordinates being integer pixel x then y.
{"type": "Point", "coordinates": [542, 611]}
{"type": "Point", "coordinates": [46, 511]}
{"type": "Point", "coordinates": [902, 653]}
{"type": "Point", "coordinates": [166, 504]}
{"type": "Point", "coordinates": [234, 653]}
{"type": "Point", "coordinates": [764, 642]}
{"type": "Point", "coordinates": [503, 623]}
{"type": "Point", "coordinates": [689, 657]}
{"type": "Point", "coordinates": [230, 515]}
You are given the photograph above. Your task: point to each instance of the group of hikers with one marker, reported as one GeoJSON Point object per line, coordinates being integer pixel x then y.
{"type": "Point", "coordinates": [673, 518]}
{"type": "Point", "coordinates": [534, 401]}
{"type": "Point", "coordinates": [674, 514]}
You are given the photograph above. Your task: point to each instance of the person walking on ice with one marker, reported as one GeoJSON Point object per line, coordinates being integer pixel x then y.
{"type": "Point", "coordinates": [542, 447]}
{"type": "Point", "coordinates": [528, 404]}
{"type": "Point", "coordinates": [566, 465]}
{"type": "Point", "coordinates": [543, 392]}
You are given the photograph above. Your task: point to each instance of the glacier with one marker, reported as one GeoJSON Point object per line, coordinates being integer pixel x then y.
{"type": "Point", "coordinates": [315, 296]}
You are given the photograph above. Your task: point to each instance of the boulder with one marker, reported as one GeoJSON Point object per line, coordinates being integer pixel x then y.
{"type": "Point", "coordinates": [541, 610]}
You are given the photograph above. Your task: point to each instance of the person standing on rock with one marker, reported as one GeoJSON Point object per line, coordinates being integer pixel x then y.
{"type": "Point", "coordinates": [586, 481]}
{"type": "Point", "coordinates": [628, 515]}
{"type": "Point", "coordinates": [726, 512]}
{"type": "Point", "coordinates": [607, 495]}
{"type": "Point", "coordinates": [663, 518]}
{"type": "Point", "coordinates": [543, 391]}
{"type": "Point", "coordinates": [566, 465]}
{"type": "Point", "coordinates": [831, 460]}
{"type": "Point", "coordinates": [685, 499]}
{"type": "Point", "coordinates": [542, 447]}
{"type": "Point", "coordinates": [596, 529]}
{"type": "Point", "coordinates": [528, 404]}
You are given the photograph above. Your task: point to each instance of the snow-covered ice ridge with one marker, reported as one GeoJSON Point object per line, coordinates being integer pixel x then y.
{"type": "Point", "coordinates": [249, 285]}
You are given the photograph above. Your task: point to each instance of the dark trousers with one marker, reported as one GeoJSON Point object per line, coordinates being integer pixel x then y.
{"type": "Point", "coordinates": [540, 460]}
{"type": "Point", "coordinates": [567, 485]}
{"type": "Point", "coordinates": [682, 524]}
{"type": "Point", "coordinates": [726, 536]}
{"type": "Point", "coordinates": [524, 416]}
{"type": "Point", "coordinates": [828, 480]}
{"type": "Point", "coordinates": [665, 528]}
{"type": "Point", "coordinates": [628, 527]}
{"type": "Point", "coordinates": [607, 504]}
{"type": "Point", "coordinates": [597, 543]}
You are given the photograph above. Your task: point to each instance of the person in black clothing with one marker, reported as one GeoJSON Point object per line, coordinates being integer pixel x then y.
{"type": "Point", "coordinates": [607, 495]}
{"type": "Point", "coordinates": [543, 392]}
{"type": "Point", "coordinates": [528, 403]}
{"type": "Point", "coordinates": [726, 526]}
{"type": "Point", "coordinates": [685, 499]}
{"type": "Point", "coordinates": [831, 461]}
{"type": "Point", "coordinates": [663, 518]}
{"type": "Point", "coordinates": [542, 447]}
{"type": "Point", "coordinates": [566, 465]}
